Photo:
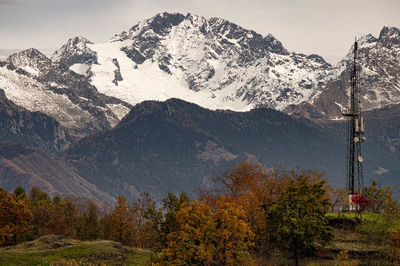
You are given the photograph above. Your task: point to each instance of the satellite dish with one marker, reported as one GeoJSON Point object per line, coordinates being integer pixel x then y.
{"type": "Point", "coordinates": [363, 139]}
{"type": "Point", "coordinates": [356, 139]}
{"type": "Point", "coordinates": [360, 159]}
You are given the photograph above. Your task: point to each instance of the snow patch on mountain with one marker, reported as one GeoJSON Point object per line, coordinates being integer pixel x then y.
{"type": "Point", "coordinates": [81, 69]}
{"type": "Point", "coordinates": [379, 61]}
{"type": "Point", "coordinates": [210, 62]}
{"type": "Point", "coordinates": [220, 65]}
{"type": "Point", "coordinates": [32, 95]}
{"type": "Point", "coordinates": [145, 81]}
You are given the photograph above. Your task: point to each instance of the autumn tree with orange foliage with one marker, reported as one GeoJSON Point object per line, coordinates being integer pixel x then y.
{"type": "Point", "coordinates": [235, 183]}
{"type": "Point", "coordinates": [253, 188]}
{"type": "Point", "coordinates": [64, 218]}
{"type": "Point", "coordinates": [234, 235]}
{"type": "Point", "coordinates": [120, 223]}
{"type": "Point", "coordinates": [89, 223]}
{"type": "Point", "coordinates": [171, 205]}
{"type": "Point", "coordinates": [15, 219]}
{"type": "Point", "coordinates": [59, 216]}
{"type": "Point", "coordinates": [394, 244]}
{"type": "Point", "coordinates": [208, 236]}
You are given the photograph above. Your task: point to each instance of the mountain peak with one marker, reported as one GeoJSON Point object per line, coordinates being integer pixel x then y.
{"type": "Point", "coordinates": [28, 53]}
{"type": "Point", "coordinates": [218, 63]}
{"type": "Point", "coordinates": [389, 32]}
{"type": "Point", "coordinates": [30, 60]}
{"type": "Point", "coordinates": [78, 40]}
{"type": "Point", "coordinates": [274, 45]}
{"type": "Point", "coordinates": [367, 40]}
{"type": "Point", "coordinates": [75, 50]}
{"type": "Point", "coordinates": [196, 19]}
{"type": "Point", "coordinates": [159, 24]}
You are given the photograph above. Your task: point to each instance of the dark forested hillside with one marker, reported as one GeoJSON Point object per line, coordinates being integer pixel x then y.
{"type": "Point", "coordinates": [175, 145]}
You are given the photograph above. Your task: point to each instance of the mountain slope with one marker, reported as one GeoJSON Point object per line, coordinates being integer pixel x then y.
{"type": "Point", "coordinates": [379, 62]}
{"type": "Point", "coordinates": [211, 62]}
{"type": "Point", "coordinates": [214, 63]}
{"type": "Point", "coordinates": [175, 145]}
{"type": "Point", "coordinates": [35, 129]}
{"type": "Point", "coordinates": [220, 65]}
{"type": "Point", "coordinates": [33, 81]}
{"type": "Point", "coordinates": [25, 166]}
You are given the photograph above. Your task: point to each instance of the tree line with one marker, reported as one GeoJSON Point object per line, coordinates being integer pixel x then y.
{"type": "Point", "coordinates": [243, 215]}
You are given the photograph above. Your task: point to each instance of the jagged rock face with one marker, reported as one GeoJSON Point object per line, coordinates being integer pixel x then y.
{"type": "Point", "coordinates": [75, 51]}
{"type": "Point", "coordinates": [33, 81]}
{"type": "Point", "coordinates": [31, 61]}
{"type": "Point", "coordinates": [379, 62]}
{"type": "Point", "coordinates": [214, 63]}
{"type": "Point", "coordinates": [220, 65]}
{"type": "Point", "coordinates": [380, 76]}
{"type": "Point", "coordinates": [31, 128]}
{"type": "Point", "coordinates": [211, 62]}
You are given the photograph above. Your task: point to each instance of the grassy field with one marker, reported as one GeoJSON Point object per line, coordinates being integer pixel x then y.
{"type": "Point", "coordinates": [56, 250]}
{"type": "Point", "coordinates": [363, 244]}
{"type": "Point", "coordinates": [372, 222]}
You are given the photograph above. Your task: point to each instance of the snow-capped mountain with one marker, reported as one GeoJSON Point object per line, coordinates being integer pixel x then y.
{"type": "Point", "coordinates": [214, 63]}
{"type": "Point", "coordinates": [33, 81]}
{"type": "Point", "coordinates": [211, 62]}
{"type": "Point", "coordinates": [379, 64]}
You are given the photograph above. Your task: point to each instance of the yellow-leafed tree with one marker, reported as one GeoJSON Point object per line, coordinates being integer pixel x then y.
{"type": "Point", "coordinates": [15, 219]}
{"type": "Point", "coordinates": [207, 236]}
{"type": "Point", "coordinates": [122, 226]}
{"type": "Point", "coordinates": [233, 234]}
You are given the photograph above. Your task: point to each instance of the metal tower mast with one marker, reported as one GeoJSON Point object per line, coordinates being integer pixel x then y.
{"type": "Point", "coordinates": [355, 131]}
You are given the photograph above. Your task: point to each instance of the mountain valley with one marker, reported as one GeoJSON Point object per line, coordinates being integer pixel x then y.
{"type": "Point", "coordinates": [177, 99]}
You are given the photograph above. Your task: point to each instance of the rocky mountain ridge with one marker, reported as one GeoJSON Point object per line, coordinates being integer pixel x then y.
{"type": "Point", "coordinates": [33, 81]}
{"type": "Point", "coordinates": [379, 63]}
{"type": "Point", "coordinates": [211, 62]}
{"type": "Point", "coordinates": [217, 64]}
{"type": "Point", "coordinates": [220, 65]}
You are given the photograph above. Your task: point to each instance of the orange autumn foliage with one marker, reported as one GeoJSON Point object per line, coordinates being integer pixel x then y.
{"type": "Point", "coordinates": [208, 236]}
{"type": "Point", "coordinates": [122, 227]}
{"type": "Point", "coordinates": [394, 243]}
{"type": "Point", "coordinates": [254, 189]}
{"type": "Point", "coordinates": [15, 219]}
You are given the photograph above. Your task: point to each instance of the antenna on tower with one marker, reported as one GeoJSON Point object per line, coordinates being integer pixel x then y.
{"type": "Point", "coordinates": [355, 175]}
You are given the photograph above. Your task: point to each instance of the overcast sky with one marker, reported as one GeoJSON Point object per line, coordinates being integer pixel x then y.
{"type": "Point", "coordinates": [324, 27]}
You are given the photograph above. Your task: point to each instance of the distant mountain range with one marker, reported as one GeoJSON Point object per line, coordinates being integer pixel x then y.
{"type": "Point", "coordinates": [379, 62]}
{"type": "Point", "coordinates": [91, 100]}
{"type": "Point", "coordinates": [211, 62]}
